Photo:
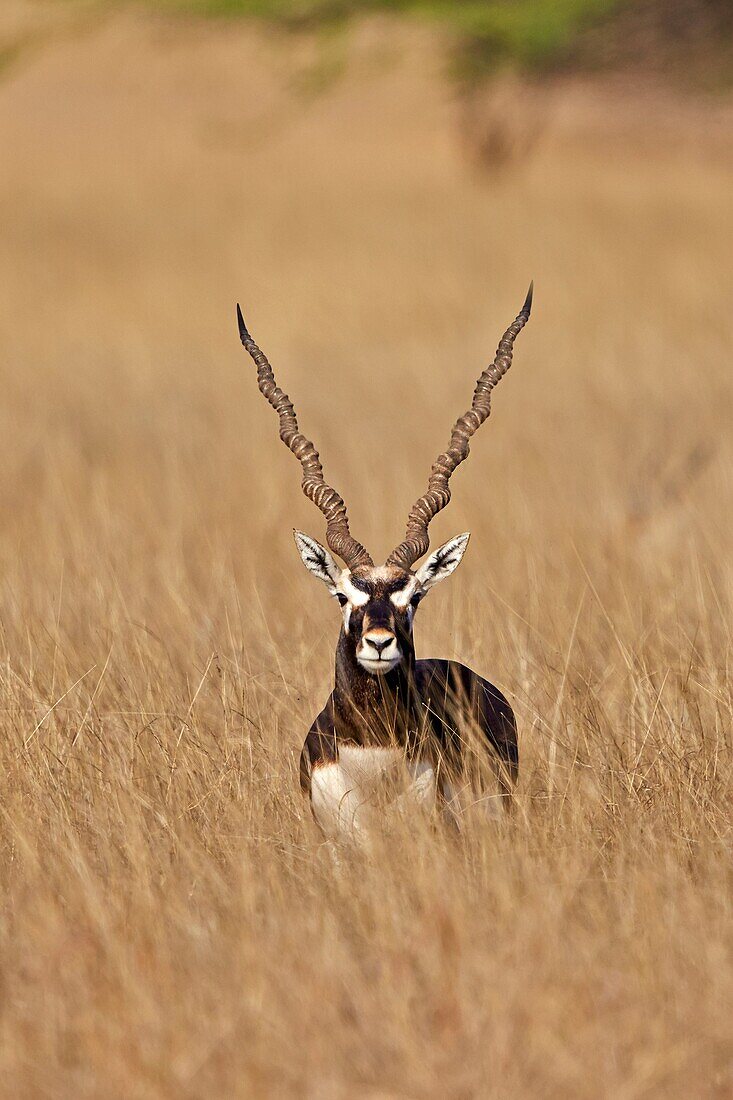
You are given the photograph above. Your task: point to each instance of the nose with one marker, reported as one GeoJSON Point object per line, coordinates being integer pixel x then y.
{"type": "Point", "coordinates": [380, 642]}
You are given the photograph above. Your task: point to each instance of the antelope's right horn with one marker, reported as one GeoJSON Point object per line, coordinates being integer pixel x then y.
{"type": "Point", "coordinates": [437, 495]}
{"type": "Point", "coordinates": [315, 487]}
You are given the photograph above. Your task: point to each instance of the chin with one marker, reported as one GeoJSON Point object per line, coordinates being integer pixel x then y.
{"type": "Point", "coordinates": [378, 668]}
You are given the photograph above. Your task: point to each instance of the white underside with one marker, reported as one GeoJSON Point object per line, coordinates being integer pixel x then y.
{"type": "Point", "coordinates": [354, 794]}
{"type": "Point", "coordinates": [368, 785]}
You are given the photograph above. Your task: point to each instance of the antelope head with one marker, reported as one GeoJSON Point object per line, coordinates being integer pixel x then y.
{"type": "Point", "coordinates": [378, 602]}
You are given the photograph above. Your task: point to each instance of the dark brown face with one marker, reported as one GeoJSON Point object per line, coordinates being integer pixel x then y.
{"type": "Point", "coordinates": [378, 601]}
{"type": "Point", "coordinates": [378, 604]}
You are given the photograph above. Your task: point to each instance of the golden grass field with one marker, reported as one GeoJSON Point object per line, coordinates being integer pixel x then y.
{"type": "Point", "coordinates": [172, 924]}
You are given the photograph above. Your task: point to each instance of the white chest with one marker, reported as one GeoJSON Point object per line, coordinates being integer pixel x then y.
{"type": "Point", "coordinates": [366, 783]}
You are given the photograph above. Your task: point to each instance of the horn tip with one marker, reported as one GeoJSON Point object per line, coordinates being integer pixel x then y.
{"type": "Point", "coordinates": [527, 307]}
{"type": "Point", "coordinates": [243, 334]}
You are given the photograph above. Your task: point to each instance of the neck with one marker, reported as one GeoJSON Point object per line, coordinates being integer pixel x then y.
{"type": "Point", "coordinates": [374, 702]}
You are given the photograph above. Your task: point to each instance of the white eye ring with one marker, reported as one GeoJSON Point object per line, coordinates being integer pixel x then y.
{"type": "Point", "coordinates": [403, 597]}
{"type": "Point", "coordinates": [355, 596]}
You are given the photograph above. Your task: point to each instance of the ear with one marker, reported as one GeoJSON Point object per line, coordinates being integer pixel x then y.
{"type": "Point", "coordinates": [443, 562]}
{"type": "Point", "coordinates": [318, 561]}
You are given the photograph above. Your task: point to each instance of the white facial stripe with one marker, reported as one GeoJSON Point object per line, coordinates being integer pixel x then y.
{"type": "Point", "coordinates": [354, 595]}
{"type": "Point", "coordinates": [402, 597]}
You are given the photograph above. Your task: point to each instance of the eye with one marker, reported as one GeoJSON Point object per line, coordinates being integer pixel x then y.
{"type": "Point", "coordinates": [341, 599]}
{"type": "Point", "coordinates": [416, 599]}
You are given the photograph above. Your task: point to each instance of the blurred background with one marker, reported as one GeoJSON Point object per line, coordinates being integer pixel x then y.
{"type": "Point", "coordinates": [377, 183]}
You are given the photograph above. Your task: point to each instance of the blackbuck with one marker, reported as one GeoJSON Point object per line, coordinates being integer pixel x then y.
{"type": "Point", "coordinates": [397, 730]}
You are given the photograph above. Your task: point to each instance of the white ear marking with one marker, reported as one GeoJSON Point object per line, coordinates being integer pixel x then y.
{"type": "Point", "coordinates": [317, 560]}
{"type": "Point", "coordinates": [443, 561]}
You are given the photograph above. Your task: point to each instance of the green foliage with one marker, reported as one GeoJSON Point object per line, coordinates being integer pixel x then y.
{"type": "Point", "coordinates": [531, 33]}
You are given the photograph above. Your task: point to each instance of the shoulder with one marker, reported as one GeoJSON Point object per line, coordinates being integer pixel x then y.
{"type": "Point", "coordinates": [324, 721]}
{"type": "Point", "coordinates": [453, 676]}
{"type": "Point", "coordinates": [320, 744]}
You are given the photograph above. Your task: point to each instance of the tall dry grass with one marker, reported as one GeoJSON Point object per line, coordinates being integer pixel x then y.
{"type": "Point", "coordinates": [172, 925]}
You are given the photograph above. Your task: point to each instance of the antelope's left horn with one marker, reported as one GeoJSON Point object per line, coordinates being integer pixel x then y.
{"type": "Point", "coordinates": [314, 485]}
{"type": "Point", "coordinates": [437, 495]}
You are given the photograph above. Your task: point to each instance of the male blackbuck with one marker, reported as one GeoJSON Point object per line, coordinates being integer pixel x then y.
{"type": "Point", "coordinates": [396, 730]}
